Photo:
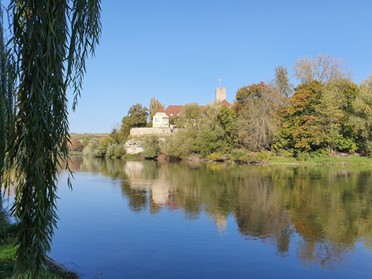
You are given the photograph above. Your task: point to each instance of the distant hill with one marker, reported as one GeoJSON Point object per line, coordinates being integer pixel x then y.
{"type": "Point", "coordinates": [87, 135]}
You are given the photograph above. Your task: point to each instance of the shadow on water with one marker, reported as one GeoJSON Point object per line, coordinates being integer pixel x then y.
{"type": "Point", "coordinates": [322, 211]}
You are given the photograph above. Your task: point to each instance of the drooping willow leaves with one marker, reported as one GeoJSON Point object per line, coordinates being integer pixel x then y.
{"type": "Point", "coordinates": [51, 40]}
{"type": "Point", "coordinates": [2, 98]}
{"type": "Point", "coordinates": [6, 95]}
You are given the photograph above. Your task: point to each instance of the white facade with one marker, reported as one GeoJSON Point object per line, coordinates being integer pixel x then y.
{"type": "Point", "coordinates": [160, 120]}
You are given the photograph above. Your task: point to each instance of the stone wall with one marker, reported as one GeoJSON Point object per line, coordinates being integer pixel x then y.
{"type": "Point", "coordinates": [134, 145]}
{"type": "Point", "coordinates": [150, 131]}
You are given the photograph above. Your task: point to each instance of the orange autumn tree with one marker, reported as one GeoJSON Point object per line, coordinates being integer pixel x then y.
{"type": "Point", "coordinates": [316, 119]}
{"type": "Point", "coordinates": [298, 131]}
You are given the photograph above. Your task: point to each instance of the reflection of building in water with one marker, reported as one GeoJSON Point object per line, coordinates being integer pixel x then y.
{"type": "Point", "coordinates": [133, 169]}
{"type": "Point", "coordinates": [155, 183]}
{"type": "Point", "coordinates": [156, 187]}
{"type": "Point", "coordinates": [296, 207]}
{"type": "Point", "coordinates": [221, 221]}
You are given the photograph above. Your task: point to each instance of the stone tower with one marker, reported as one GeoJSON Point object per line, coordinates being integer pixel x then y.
{"type": "Point", "coordinates": [220, 94]}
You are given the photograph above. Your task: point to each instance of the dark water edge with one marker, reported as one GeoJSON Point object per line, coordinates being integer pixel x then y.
{"type": "Point", "coordinates": [144, 219]}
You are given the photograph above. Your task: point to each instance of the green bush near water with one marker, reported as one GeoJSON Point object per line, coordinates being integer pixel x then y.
{"type": "Point", "coordinates": [151, 148]}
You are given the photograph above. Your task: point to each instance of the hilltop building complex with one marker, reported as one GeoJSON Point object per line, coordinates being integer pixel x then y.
{"type": "Point", "coordinates": [162, 118]}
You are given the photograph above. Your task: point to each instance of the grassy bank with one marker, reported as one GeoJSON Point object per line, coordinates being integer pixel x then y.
{"type": "Point", "coordinates": [265, 157]}
{"type": "Point", "coordinates": [243, 156]}
{"type": "Point", "coordinates": [331, 160]}
{"type": "Point", "coordinates": [8, 250]}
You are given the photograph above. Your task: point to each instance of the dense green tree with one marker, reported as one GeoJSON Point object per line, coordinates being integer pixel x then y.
{"type": "Point", "coordinates": [298, 131]}
{"type": "Point", "coordinates": [345, 91]}
{"type": "Point", "coordinates": [253, 91]}
{"type": "Point", "coordinates": [210, 135]}
{"type": "Point", "coordinates": [335, 110]}
{"type": "Point", "coordinates": [190, 115]}
{"type": "Point", "coordinates": [50, 41]}
{"type": "Point", "coordinates": [212, 132]}
{"type": "Point", "coordinates": [317, 118]}
{"type": "Point", "coordinates": [155, 106]}
{"type": "Point", "coordinates": [136, 117]}
{"type": "Point", "coordinates": [329, 118]}
{"type": "Point", "coordinates": [361, 118]}
{"type": "Point", "coordinates": [115, 136]}
{"type": "Point", "coordinates": [227, 119]}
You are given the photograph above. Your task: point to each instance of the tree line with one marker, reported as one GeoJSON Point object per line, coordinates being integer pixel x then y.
{"type": "Point", "coordinates": [325, 114]}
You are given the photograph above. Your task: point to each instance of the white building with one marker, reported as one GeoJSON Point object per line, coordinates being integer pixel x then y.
{"type": "Point", "coordinates": [160, 120]}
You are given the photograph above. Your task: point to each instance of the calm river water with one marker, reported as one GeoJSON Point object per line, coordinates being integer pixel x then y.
{"type": "Point", "coordinates": [149, 220]}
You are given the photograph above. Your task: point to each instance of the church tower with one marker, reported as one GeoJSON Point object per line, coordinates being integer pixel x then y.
{"type": "Point", "coordinates": [220, 93]}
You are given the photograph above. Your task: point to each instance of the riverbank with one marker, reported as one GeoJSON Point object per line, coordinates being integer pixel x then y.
{"type": "Point", "coordinates": [8, 250]}
{"type": "Point", "coordinates": [259, 158]}
{"type": "Point", "coordinates": [331, 160]}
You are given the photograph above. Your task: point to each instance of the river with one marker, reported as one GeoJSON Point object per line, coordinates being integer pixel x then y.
{"type": "Point", "coordinates": [182, 220]}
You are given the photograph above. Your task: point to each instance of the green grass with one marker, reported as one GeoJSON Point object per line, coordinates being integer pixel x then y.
{"type": "Point", "coordinates": [7, 258]}
{"type": "Point", "coordinates": [8, 251]}
{"type": "Point", "coordinates": [330, 160]}
{"type": "Point", "coordinates": [265, 157]}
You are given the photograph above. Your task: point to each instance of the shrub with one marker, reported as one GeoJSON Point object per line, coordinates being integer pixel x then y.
{"type": "Point", "coordinates": [346, 145]}
{"type": "Point", "coordinates": [94, 149]}
{"type": "Point", "coordinates": [180, 145]}
{"type": "Point", "coordinates": [261, 156]}
{"type": "Point", "coordinates": [151, 147]}
{"type": "Point", "coordinates": [240, 155]}
{"type": "Point", "coordinates": [303, 156]}
{"type": "Point", "coordinates": [368, 148]}
{"type": "Point", "coordinates": [216, 156]}
{"type": "Point", "coordinates": [119, 151]}
{"type": "Point", "coordinates": [99, 152]}
{"type": "Point", "coordinates": [90, 147]}
{"type": "Point", "coordinates": [110, 151]}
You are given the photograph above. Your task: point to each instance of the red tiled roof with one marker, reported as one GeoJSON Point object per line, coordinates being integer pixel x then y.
{"type": "Point", "coordinates": [226, 103]}
{"type": "Point", "coordinates": [173, 110]}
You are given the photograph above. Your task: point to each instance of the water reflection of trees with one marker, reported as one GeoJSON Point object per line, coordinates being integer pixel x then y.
{"type": "Point", "coordinates": [322, 212]}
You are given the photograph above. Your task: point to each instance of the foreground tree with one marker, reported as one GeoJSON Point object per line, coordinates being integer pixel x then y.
{"type": "Point", "coordinates": [51, 40]}
{"type": "Point", "coordinates": [6, 95]}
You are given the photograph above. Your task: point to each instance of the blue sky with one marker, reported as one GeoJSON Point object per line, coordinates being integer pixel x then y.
{"type": "Point", "coordinates": [177, 50]}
